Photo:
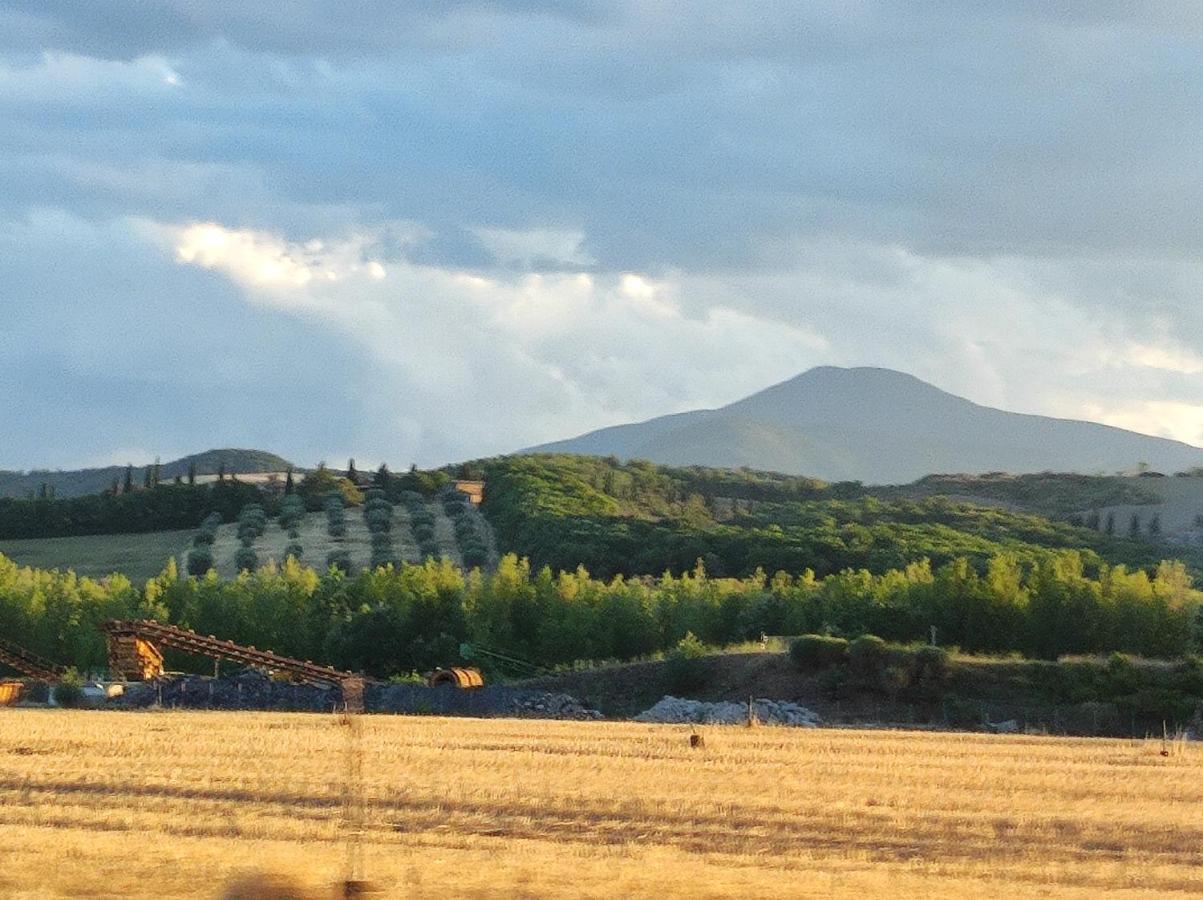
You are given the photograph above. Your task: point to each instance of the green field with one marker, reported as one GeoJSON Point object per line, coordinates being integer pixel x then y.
{"type": "Point", "coordinates": [139, 556]}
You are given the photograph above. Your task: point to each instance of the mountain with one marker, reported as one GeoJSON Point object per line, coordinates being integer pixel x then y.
{"type": "Point", "coordinates": [76, 483]}
{"type": "Point", "coordinates": [880, 427]}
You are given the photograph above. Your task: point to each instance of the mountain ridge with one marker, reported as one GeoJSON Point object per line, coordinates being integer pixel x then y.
{"type": "Point", "coordinates": [878, 426]}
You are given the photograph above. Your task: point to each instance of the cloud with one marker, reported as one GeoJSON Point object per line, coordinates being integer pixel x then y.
{"type": "Point", "coordinates": [442, 230]}
{"type": "Point", "coordinates": [510, 358]}
{"type": "Point", "coordinates": [536, 247]}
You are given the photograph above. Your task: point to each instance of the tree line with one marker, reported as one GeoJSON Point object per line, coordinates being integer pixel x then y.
{"type": "Point", "coordinates": [397, 619]}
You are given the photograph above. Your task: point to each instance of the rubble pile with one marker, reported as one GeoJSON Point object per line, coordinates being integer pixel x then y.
{"type": "Point", "coordinates": [673, 710]}
{"type": "Point", "coordinates": [246, 689]}
{"type": "Point", "coordinates": [538, 705]}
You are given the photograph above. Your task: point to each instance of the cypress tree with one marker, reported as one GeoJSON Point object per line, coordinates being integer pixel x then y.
{"type": "Point", "coordinates": [352, 475]}
{"type": "Point", "coordinates": [129, 480]}
{"type": "Point", "coordinates": [192, 472]}
{"type": "Point", "coordinates": [383, 477]}
{"type": "Point", "coordinates": [288, 485]}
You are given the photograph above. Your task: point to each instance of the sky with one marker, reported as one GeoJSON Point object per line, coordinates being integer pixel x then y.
{"type": "Point", "coordinates": [427, 232]}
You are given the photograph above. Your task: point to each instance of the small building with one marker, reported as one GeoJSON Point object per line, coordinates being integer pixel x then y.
{"type": "Point", "coordinates": [474, 489]}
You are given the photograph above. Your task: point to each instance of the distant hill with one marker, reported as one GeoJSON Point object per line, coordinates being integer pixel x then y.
{"type": "Point", "coordinates": [880, 427]}
{"type": "Point", "coordinates": [78, 482]}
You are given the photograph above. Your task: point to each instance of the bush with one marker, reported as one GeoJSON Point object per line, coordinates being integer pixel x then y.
{"type": "Point", "coordinates": [429, 549]}
{"type": "Point", "coordinates": [379, 520]}
{"type": "Point", "coordinates": [200, 560]}
{"type": "Point", "coordinates": [246, 559]}
{"type": "Point", "coordinates": [203, 539]}
{"type": "Point", "coordinates": [423, 533]}
{"type": "Point", "coordinates": [475, 557]}
{"type": "Point", "coordinates": [296, 551]}
{"type": "Point", "coordinates": [70, 689]}
{"type": "Point", "coordinates": [381, 541]}
{"type": "Point", "coordinates": [337, 529]}
{"type": "Point", "coordinates": [293, 533]}
{"type": "Point", "coordinates": [339, 559]}
{"type": "Point", "coordinates": [686, 665]}
{"type": "Point", "coordinates": [868, 658]}
{"type": "Point", "coordinates": [928, 668]}
{"type": "Point", "coordinates": [813, 652]}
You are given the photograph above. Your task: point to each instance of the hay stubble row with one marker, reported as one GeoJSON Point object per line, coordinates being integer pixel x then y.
{"type": "Point", "coordinates": [170, 804]}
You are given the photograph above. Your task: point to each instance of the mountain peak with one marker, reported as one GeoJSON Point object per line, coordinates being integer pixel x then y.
{"type": "Point", "coordinates": [878, 425]}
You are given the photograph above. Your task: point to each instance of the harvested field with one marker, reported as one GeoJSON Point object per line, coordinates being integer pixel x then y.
{"type": "Point", "coordinates": [170, 804]}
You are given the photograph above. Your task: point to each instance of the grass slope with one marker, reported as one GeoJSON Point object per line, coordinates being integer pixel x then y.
{"type": "Point", "coordinates": [138, 556]}
{"type": "Point", "coordinates": [505, 808]}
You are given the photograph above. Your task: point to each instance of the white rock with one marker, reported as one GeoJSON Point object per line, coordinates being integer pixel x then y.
{"type": "Point", "coordinates": [768, 712]}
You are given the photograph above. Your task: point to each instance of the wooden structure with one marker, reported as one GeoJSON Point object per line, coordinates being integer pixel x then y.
{"type": "Point", "coordinates": [28, 663]}
{"type": "Point", "coordinates": [133, 658]}
{"type": "Point", "coordinates": [474, 489]}
{"type": "Point", "coordinates": [129, 639]}
{"type": "Point", "coordinates": [10, 692]}
{"type": "Point", "coordinates": [457, 678]}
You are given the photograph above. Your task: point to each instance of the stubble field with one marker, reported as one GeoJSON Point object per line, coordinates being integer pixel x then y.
{"type": "Point", "coordinates": [172, 804]}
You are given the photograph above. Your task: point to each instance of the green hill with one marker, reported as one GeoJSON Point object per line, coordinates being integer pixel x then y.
{"type": "Point", "coordinates": [80, 482]}
{"type": "Point", "coordinates": [641, 518]}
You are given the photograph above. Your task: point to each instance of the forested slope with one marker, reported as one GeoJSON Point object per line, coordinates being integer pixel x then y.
{"type": "Point", "coordinates": [641, 518]}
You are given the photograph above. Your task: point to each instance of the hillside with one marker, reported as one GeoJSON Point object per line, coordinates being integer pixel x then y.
{"type": "Point", "coordinates": [80, 482]}
{"type": "Point", "coordinates": [880, 427]}
{"type": "Point", "coordinates": [642, 519]}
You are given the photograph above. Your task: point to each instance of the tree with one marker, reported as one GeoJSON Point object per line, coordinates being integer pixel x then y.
{"type": "Point", "coordinates": [383, 478]}
{"type": "Point", "coordinates": [156, 473]}
{"type": "Point", "coordinates": [128, 485]}
{"type": "Point", "coordinates": [1155, 526]}
{"type": "Point", "coordinates": [147, 475]}
{"type": "Point", "coordinates": [1109, 526]}
{"type": "Point", "coordinates": [288, 485]}
{"type": "Point", "coordinates": [352, 475]}
{"type": "Point", "coordinates": [221, 471]}
{"type": "Point", "coordinates": [192, 472]}
{"type": "Point", "coordinates": [1134, 526]}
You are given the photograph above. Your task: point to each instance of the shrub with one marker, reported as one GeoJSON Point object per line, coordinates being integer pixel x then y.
{"type": "Point", "coordinates": [246, 559]}
{"type": "Point", "coordinates": [293, 533]}
{"type": "Point", "coordinates": [868, 658]}
{"type": "Point", "coordinates": [429, 549]}
{"type": "Point", "coordinates": [339, 559]}
{"type": "Point", "coordinates": [200, 560]}
{"type": "Point", "coordinates": [475, 557]}
{"type": "Point", "coordinates": [423, 532]}
{"type": "Point", "coordinates": [379, 520]}
{"type": "Point", "coordinates": [813, 652]}
{"type": "Point", "coordinates": [70, 689]}
{"type": "Point", "coordinates": [202, 539]}
{"type": "Point", "coordinates": [928, 668]}
{"type": "Point", "coordinates": [296, 551]}
{"type": "Point", "coordinates": [337, 529]}
{"type": "Point", "coordinates": [685, 665]}
{"type": "Point", "coordinates": [381, 540]}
